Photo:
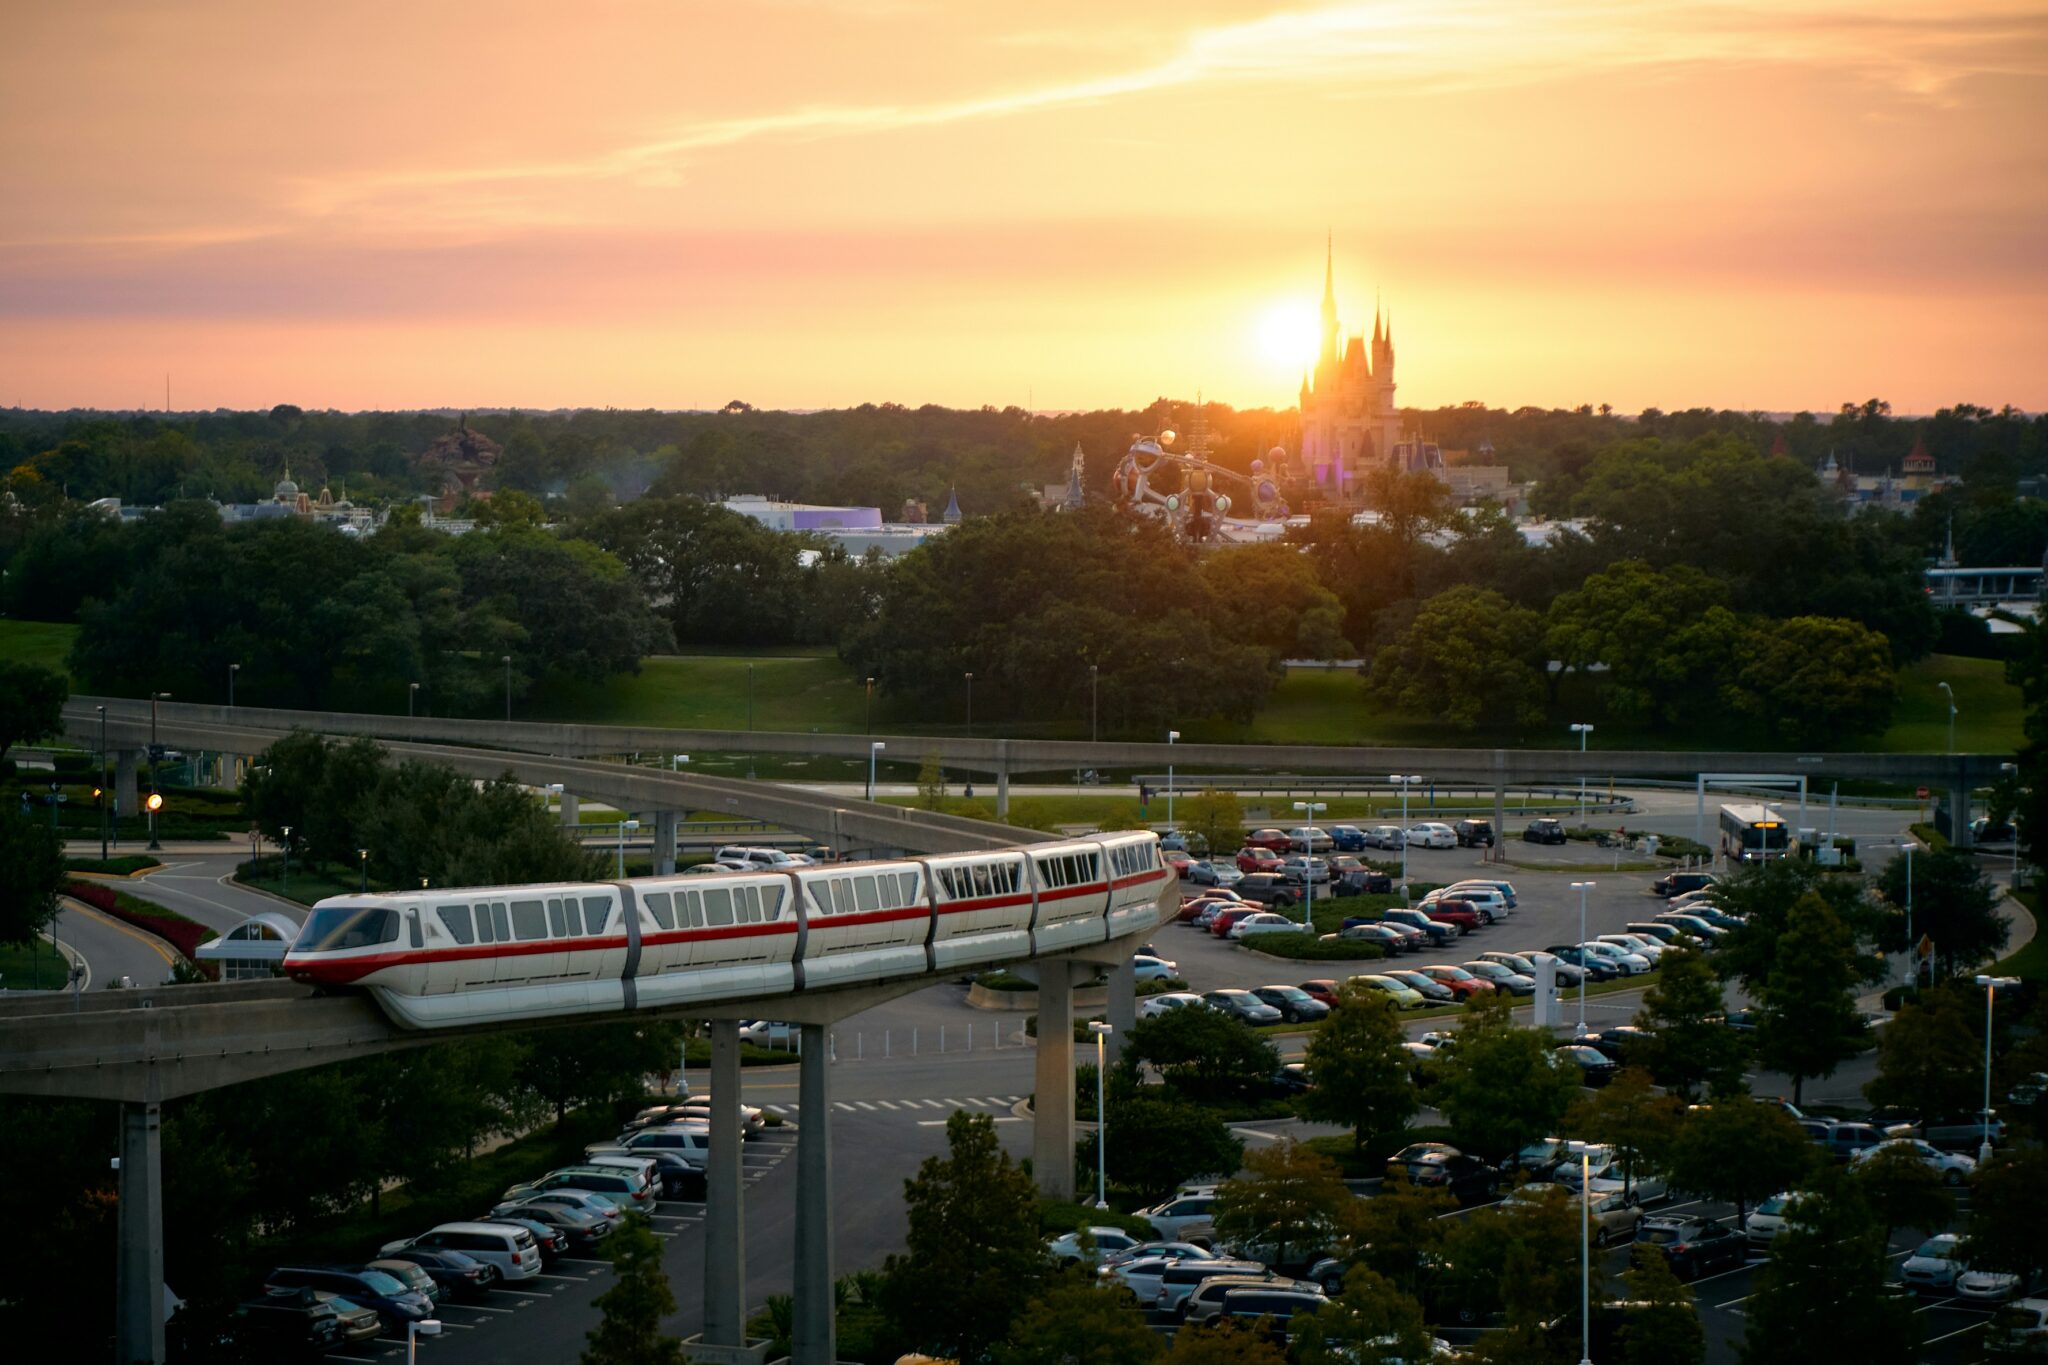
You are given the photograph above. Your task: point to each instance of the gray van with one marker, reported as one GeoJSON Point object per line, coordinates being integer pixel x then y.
{"type": "Point", "coordinates": [1178, 1281]}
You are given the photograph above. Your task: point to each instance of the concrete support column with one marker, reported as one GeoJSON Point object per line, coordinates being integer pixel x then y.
{"type": "Point", "coordinates": [125, 763]}
{"type": "Point", "coordinates": [665, 822]}
{"type": "Point", "coordinates": [1052, 1124]}
{"type": "Point", "coordinates": [1498, 853]}
{"type": "Point", "coordinates": [572, 810]}
{"type": "Point", "coordinates": [725, 1290]}
{"type": "Point", "coordinates": [1959, 815]}
{"type": "Point", "coordinates": [1002, 779]}
{"type": "Point", "coordinates": [1123, 1006]}
{"type": "Point", "coordinates": [815, 1340]}
{"type": "Point", "coordinates": [139, 1253]}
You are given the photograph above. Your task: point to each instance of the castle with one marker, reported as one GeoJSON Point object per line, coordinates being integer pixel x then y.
{"type": "Point", "coordinates": [1349, 421]}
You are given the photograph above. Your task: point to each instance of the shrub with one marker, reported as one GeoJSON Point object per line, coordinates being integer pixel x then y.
{"type": "Point", "coordinates": [1308, 948]}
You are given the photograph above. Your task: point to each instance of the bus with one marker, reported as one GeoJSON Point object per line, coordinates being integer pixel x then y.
{"type": "Point", "coordinates": [1753, 834]}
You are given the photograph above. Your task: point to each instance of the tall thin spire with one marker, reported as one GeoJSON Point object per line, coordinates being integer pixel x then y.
{"type": "Point", "coordinates": [1327, 363]}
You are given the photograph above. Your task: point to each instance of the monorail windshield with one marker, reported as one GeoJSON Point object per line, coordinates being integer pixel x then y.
{"type": "Point", "coordinates": [330, 931]}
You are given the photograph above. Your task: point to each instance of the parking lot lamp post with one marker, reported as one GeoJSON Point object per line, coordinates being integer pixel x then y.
{"type": "Point", "coordinates": [1308, 866]}
{"type": "Point", "coordinates": [232, 670]}
{"type": "Point", "coordinates": [1992, 985]}
{"type": "Point", "coordinates": [875, 746]}
{"type": "Point", "coordinates": [286, 844]}
{"type": "Point", "coordinates": [363, 862]}
{"type": "Point", "coordinates": [1584, 1152]}
{"type": "Point", "coordinates": [506, 659]}
{"type": "Point", "coordinates": [624, 825]}
{"type": "Point", "coordinates": [1950, 693]}
{"type": "Point", "coordinates": [1582, 888]}
{"type": "Point", "coordinates": [1404, 782]}
{"type": "Point", "coordinates": [2012, 881]}
{"type": "Point", "coordinates": [412, 697]}
{"type": "Point", "coordinates": [1171, 736]}
{"type": "Point", "coordinates": [1582, 731]}
{"type": "Point", "coordinates": [104, 785]}
{"type": "Point", "coordinates": [426, 1327]}
{"type": "Point", "coordinates": [871, 705]}
{"type": "Point", "coordinates": [1101, 1032]}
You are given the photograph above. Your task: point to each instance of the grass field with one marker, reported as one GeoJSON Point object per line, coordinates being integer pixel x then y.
{"type": "Point", "coordinates": [37, 642]}
{"type": "Point", "coordinates": [32, 967]}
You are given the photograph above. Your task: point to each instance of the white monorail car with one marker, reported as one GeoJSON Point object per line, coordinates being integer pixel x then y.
{"type": "Point", "coordinates": [440, 959]}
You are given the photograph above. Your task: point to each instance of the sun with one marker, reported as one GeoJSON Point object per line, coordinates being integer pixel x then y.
{"type": "Point", "coordinates": [1287, 335]}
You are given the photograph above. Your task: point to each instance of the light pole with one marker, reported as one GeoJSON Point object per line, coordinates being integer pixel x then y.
{"type": "Point", "coordinates": [2012, 879]}
{"type": "Point", "coordinates": [1992, 985]}
{"type": "Point", "coordinates": [624, 825]}
{"type": "Point", "coordinates": [1094, 703]}
{"type": "Point", "coordinates": [1101, 1032]}
{"type": "Point", "coordinates": [506, 659]}
{"type": "Point", "coordinates": [363, 862]}
{"type": "Point", "coordinates": [1404, 781]}
{"type": "Point", "coordinates": [425, 1327]}
{"type": "Point", "coordinates": [875, 746]}
{"type": "Point", "coordinates": [286, 844]}
{"type": "Point", "coordinates": [1171, 737]}
{"type": "Point", "coordinates": [412, 693]}
{"type": "Point", "coordinates": [1582, 888]}
{"type": "Point", "coordinates": [871, 706]}
{"type": "Point", "coordinates": [1582, 731]}
{"type": "Point", "coordinates": [104, 785]}
{"type": "Point", "coordinates": [232, 670]}
{"type": "Point", "coordinates": [750, 699]}
{"type": "Point", "coordinates": [1951, 694]}
{"type": "Point", "coordinates": [1308, 865]}
{"type": "Point", "coordinates": [967, 787]}
{"type": "Point", "coordinates": [1584, 1152]}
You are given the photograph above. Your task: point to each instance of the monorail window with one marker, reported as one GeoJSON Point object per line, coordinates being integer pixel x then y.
{"type": "Point", "coordinates": [887, 885]}
{"type": "Point", "coordinates": [747, 900]}
{"type": "Point", "coordinates": [529, 920]}
{"type": "Point", "coordinates": [982, 885]}
{"type": "Point", "coordinates": [657, 903]}
{"type": "Point", "coordinates": [864, 894]}
{"type": "Point", "coordinates": [558, 925]}
{"type": "Point", "coordinates": [500, 925]}
{"type": "Point", "coordinates": [842, 896]}
{"type": "Point", "coordinates": [330, 931]}
{"type": "Point", "coordinates": [412, 921]}
{"type": "Point", "coordinates": [771, 903]}
{"type": "Point", "coordinates": [689, 910]}
{"type": "Point", "coordinates": [718, 908]}
{"type": "Point", "coordinates": [456, 918]}
{"type": "Point", "coordinates": [596, 911]}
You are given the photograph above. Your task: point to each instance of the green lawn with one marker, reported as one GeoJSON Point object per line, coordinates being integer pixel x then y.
{"type": "Point", "coordinates": [2030, 962]}
{"type": "Point", "coordinates": [792, 691]}
{"type": "Point", "coordinates": [1989, 710]}
{"type": "Point", "coordinates": [31, 967]}
{"type": "Point", "coordinates": [37, 642]}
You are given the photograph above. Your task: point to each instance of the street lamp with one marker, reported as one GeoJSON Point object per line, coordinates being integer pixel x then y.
{"type": "Point", "coordinates": [103, 782]}
{"type": "Point", "coordinates": [2012, 879]}
{"type": "Point", "coordinates": [1582, 731]}
{"type": "Point", "coordinates": [970, 704]}
{"type": "Point", "coordinates": [624, 825]}
{"type": "Point", "coordinates": [1992, 985]}
{"type": "Point", "coordinates": [1308, 864]}
{"type": "Point", "coordinates": [232, 670]}
{"type": "Point", "coordinates": [1584, 1152]}
{"type": "Point", "coordinates": [425, 1327]}
{"type": "Point", "coordinates": [363, 862]}
{"type": "Point", "coordinates": [1404, 782]}
{"type": "Point", "coordinates": [1582, 888]}
{"type": "Point", "coordinates": [1171, 736]}
{"type": "Point", "coordinates": [412, 693]}
{"type": "Point", "coordinates": [875, 746]}
{"type": "Point", "coordinates": [871, 705]}
{"type": "Point", "coordinates": [1951, 694]}
{"type": "Point", "coordinates": [1094, 703]}
{"type": "Point", "coordinates": [286, 844]}
{"type": "Point", "coordinates": [1101, 1032]}
{"type": "Point", "coordinates": [506, 659]}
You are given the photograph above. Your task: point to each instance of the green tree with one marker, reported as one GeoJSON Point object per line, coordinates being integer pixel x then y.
{"type": "Point", "coordinates": [31, 704]}
{"type": "Point", "coordinates": [1224, 1343]}
{"type": "Point", "coordinates": [1926, 1056]}
{"type": "Point", "coordinates": [1808, 1023]}
{"type": "Point", "coordinates": [1289, 1203]}
{"type": "Point", "coordinates": [1901, 1192]}
{"type": "Point", "coordinates": [1739, 1151]}
{"type": "Point", "coordinates": [1397, 1234]}
{"type": "Point", "coordinates": [1821, 1295]}
{"type": "Point", "coordinates": [1468, 658]}
{"type": "Point", "coordinates": [1358, 1068]}
{"type": "Point", "coordinates": [1080, 1324]}
{"type": "Point", "coordinates": [1815, 679]}
{"type": "Point", "coordinates": [1954, 904]}
{"type": "Point", "coordinates": [1216, 817]}
{"type": "Point", "coordinates": [973, 1228]}
{"type": "Point", "coordinates": [1502, 1087]}
{"type": "Point", "coordinates": [1157, 1142]}
{"type": "Point", "coordinates": [1666, 637]}
{"type": "Point", "coordinates": [567, 1068]}
{"type": "Point", "coordinates": [1668, 1332]}
{"type": "Point", "coordinates": [1371, 1322]}
{"type": "Point", "coordinates": [1688, 1045]}
{"type": "Point", "coordinates": [31, 871]}
{"type": "Point", "coordinates": [1763, 894]}
{"type": "Point", "coordinates": [1640, 1124]}
{"type": "Point", "coordinates": [2007, 1206]}
{"type": "Point", "coordinates": [630, 1332]}
{"type": "Point", "coordinates": [1204, 1057]}
{"type": "Point", "coordinates": [1520, 1258]}
{"type": "Point", "coordinates": [931, 783]}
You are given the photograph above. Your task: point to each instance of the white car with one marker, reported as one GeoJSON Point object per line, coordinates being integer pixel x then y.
{"type": "Point", "coordinates": [1264, 923]}
{"type": "Point", "coordinates": [1953, 1167]}
{"type": "Point", "coordinates": [2021, 1329]}
{"type": "Point", "coordinates": [767, 1033]}
{"type": "Point", "coordinates": [1154, 969]}
{"type": "Point", "coordinates": [1152, 1006]}
{"type": "Point", "coordinates": [1187, 1213]}
{"type": "Point", "coordinates": [1215, 872]}
{"type": "Point", "coordinates": [1431, 834]}
{"type": "Point", "coordinates": [1640, 944]}
{"type": "Point", "coordinates": [1506, 889]}
{"type": "Point", "coordinates": [1487, 898]}
{"type": "Point", "coordinates": [1624, 962]}
{"type": "Point", "coordinates": [1763, 1226]}
{"type": "Point", "coordinates": [1987, 1286]}
{"type": "Point", "coordinates": [1934, 1265]}
{"type": "Point", "coordinates": [1068, 1248]}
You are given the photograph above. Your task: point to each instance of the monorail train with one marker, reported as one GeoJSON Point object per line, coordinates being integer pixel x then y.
{"type": "Point", "coordinates": [441, 959]}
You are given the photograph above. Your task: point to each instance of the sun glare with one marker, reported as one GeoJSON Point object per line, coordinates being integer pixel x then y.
{"type": "Point", "coordinates": [1287, 335]}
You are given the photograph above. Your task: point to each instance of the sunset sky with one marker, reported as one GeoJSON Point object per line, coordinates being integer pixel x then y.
{"type": "Point", "coordinates": [1067, 204]}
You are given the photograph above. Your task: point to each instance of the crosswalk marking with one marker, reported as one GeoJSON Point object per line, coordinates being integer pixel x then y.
{"type": "Point", "coordinates": [885, 1104]}
{"type": "Point", "coordinates": [842, 1104]}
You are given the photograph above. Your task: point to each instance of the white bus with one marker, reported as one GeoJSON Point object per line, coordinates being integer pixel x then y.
{"type": "Point", "coordinates": [1753, 834]}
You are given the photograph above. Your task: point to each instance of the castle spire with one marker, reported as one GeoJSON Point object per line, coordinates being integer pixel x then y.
{"type": "Point", "coordinates": [1326, 365]}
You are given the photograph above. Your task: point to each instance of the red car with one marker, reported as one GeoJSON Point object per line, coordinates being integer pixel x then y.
{"type": "Point", "coordinates": [1462, 983]}
{"type": "Point", "coordinates": [1257, 859]}
{"type": "Point", "coordinates": [1195, 905]}
{"type": "Point", "coordinates": [1220, 926]}
{"type": "Point", "coordinates": [1325, 991]}
{"type": "Point", "coordinates": [1180, 863]}
{"type": "Point", "coordinates": [1275, 839]}
{"type": "Point", "coordinates": [1461, 913]}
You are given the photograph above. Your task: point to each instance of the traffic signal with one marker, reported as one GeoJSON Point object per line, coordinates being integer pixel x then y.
{"type": "Point", "coordinates": [98, 795]}
{"type": "Point", "coordinates": [153, 803]}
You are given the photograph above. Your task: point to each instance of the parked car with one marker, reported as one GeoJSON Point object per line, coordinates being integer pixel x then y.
{"type": "Point", "coordinates": [1290, 1080]}
{"type": "Point", "coordinates": [1322, 989]}
{"type": "Point", "coordinates": [1310, 839]}
{"type": "Point", "coordinates": [299, 1326]}
{"type": "Point", "coordinates": [1242, 1006]}
{"type": "Point", "coordinates": [1678, 883]}
{"type": "Point", "coordinates": [1468, 1179]}
{"type": "Point", "coordinates": [1157, 1251]}
{"type": "Point", "coordinates": [1152, 1006]}
{"type": "Point", "coordinates": [1844, 1141]}
{"type": "Point", "coordinates": [1410, 936]}
{"type": "Point", "coordinates": [1400, 993]}
{"type": "Point", "coordinates": [1274, 839]}
{"type": "Point", "coordinates": [1386, 836]}
{"type": "Point", "coordinates": [1464, 985]}
{"type": "Point", "coordinates": [1270, 1307]}
{"type": "Point", "coordinates": [1432, 991]}
{"type": "Point", "coordinates": [1296, 1005]}
{"type": "Point", "coordinates": [1224, 917]}
{"type": "Point", "coordinates": [1440, 931]}
{"type": "Point", "coordinates": [1351, 877]}
{"type": "Point", "coordinates": [460, 1276]}
{"type": "Point", "coordinates": [1252, 926]}
{"type": "Point", "coordinates": [412, 1276]}
{"type": "Point", "coordinates": [1178, 862]}
{"type": "Point", "coordinates": [673, 1174]}
{"type": "Point", "coordinates": [1251, 859]}
{"type": "Point", "coordinates": [1596, 1068]}
{"type": "Point", "coordinates": [1649, 949]}
{"type": "Point", "coordinates": [1770, 1218]}
{"type": "Point", "coordinates": [1474, 833]}
{"type": "Point", "coordinates": [1987, 1286]}
{"type": "Point", "coordinates": [2019, 1331]}
{"type": "Point", "coordinates": [395, 1302]}
{"type": "Point", "coordinates": [1506, 889]}
{"type": "Point", "coordinates": [552, 1241]}
{"type": "Point", "coordinates": [589, 1201]}
{"type": "Point", "coordinates": [1491, 904]}
{"type": "Point", "coordinates": [634, 1186]}
{"type": "Point", "coordinates": [1267, 888]}
{"type": "Point", "coordinates": [769, 1033]}
{"type": "Point", "coordinates": [1617, 1042]}
{"type": "Point", "coordinates": [1389, 939]}
{"type": "Point", "coordinates": [1626, 962]}
{"type": "Point", "coordinates": [1611, 1216]}
{"type": "Point", "coordinates": [1303, 869]}
{"type": "Point", "coordinates": [1188, 1211]}
{"type": "Point", "coordinates": [1963, 1134]}
{"type": "Point", "coordinates": [1703, 931]}
{"type": "Point", "coordinates": [690, 1141]}
{"type": "Point", "coordinates": [1934, 1264]}
{"type": "Point", "coordinates": [512, 1252]}
{"type": "Point", "coordinates": [1154, 969]}
{"type": "Point", "coordinates": [1953, 1167]}
{"type": "Point", "coordinates": [1431, 834]}
{"type": "Point", "coordinates": [1568, 974]}
{"type": "Point", "coordinates": [1348, 839]}
{"type": "Point", "coordinates": [1543, 832]}
{"type": "Point", "coordinates": [1459, 913]}
{"type": "Point", "coordinates": [1595, 967]}
{"type": "Point", "coordinates": [1215, 872]}
{"type": "Point", "coordinates": [1107, 1241]}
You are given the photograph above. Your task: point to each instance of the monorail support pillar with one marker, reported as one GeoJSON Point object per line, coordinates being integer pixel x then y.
{"type": "Point", "coordinates": [1498, 853]}
{"type": "Point", "coordinates": [139, 1256]}
{"type": "Point", "coordinates": [1052, 1121]}
{"type": "Point", "coordinates": [665, 842]}
{"type": "Point", "coordinates": [1123, 1007]}
{"type": "Point", "coordinates": [572, 810]}
{"type": "Point", "coordinates": [725, 1261]}
{"type": "Point", "coordinates": [1002, 779]}
{"type": "Point", "coordinates": [814, 1340]}
{"type": "Point", "coordinates": [125, 791]}
{"type": "Point", "coordinates": [1959, 815]}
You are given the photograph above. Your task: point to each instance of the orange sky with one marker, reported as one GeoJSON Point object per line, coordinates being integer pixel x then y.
{"type": "Point", "coordinates": [816, 202]}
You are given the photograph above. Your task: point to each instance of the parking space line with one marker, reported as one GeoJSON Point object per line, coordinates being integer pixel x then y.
{"type": "Point", "coordinates": [476, 1308]}
{"type": "Point", "coordinates": [565, 1279]}
{"type": "Point", "coordinates": [581, 1260]}
{"type": "Point", "coordinates": [1959, 1331]}
{"type": "Point", "coordinates": [459, 1326]}
{"type": "Point", "coordinates": [528, 1293]}
{"type": "Point", "coordinates": [842, 1104]}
